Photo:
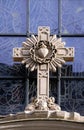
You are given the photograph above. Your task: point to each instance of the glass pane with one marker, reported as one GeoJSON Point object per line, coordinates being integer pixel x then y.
{"type": "Point", "coordinates": [6, 48]}
{"type": "Point", "coordinates": [17, 70]}
{"type": "Point", "coordinates": [13, 16]}
{"type": "Point", "coordinates": [73, 16]}
{"type": "Point", "coordinates": [43, 13]}
{"type": "Point", "coordinates": [12, 96]}
{"type": "Point", "coordinates": [78, 44]}
{"type": "Point", "coordinates": [73, 97]}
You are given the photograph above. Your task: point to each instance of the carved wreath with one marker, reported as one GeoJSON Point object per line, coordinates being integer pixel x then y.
{"type": "Point", "coordinates": [42, 52]}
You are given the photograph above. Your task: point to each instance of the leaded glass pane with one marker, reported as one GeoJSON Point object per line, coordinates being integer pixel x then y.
{"type": "Point", "coordinates": [12, 96]}
{"type": "Point", "coordinates": [78, 44]}
{"type": "Point", "coordinates": [13, 16]}
{"type": "Point", "coordinates": [43, 13]}
{"type": "Point", "coordinates": [72, 95]}
{"type": "Point", "coordinates": [6, 48]}
{"type": "Point", "coordinates": [73, 16]}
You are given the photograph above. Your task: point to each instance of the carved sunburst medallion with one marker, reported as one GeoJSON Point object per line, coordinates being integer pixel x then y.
{"type": "Point", "coordinates": [42, 52]}
{"type": "Point", "coordinates": [36, 52]}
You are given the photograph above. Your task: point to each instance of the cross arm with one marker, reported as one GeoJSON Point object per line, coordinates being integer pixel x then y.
{"type": "Point", "coordinates": [66, 52]}
{"type": "Point", "coordinates": [19, 54]}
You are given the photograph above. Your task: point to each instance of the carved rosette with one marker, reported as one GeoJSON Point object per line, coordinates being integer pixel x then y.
{"type": "Point", "coordinates": [36, 52]}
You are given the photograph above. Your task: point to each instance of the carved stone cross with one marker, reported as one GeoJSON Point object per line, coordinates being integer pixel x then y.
{"type": "Point", "coordinates": [43, 52]}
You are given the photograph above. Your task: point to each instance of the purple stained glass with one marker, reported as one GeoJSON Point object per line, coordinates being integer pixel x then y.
{"type": "Point", "coordinates": [13, 16]}
{"type": "Point", "coordinates": [43, 13]}
{"type": "Point", "coordinates": [73, 16]}
{"type": "Point", "coordinates": [6, 48]}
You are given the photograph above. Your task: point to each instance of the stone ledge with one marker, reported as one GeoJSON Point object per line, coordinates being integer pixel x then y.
{"type": "Point", "coordinates": [67, 116]}
{"type": "Point", "coordinates": [40, 115]}
{"type": "Point", "coordinates": [41, 124]}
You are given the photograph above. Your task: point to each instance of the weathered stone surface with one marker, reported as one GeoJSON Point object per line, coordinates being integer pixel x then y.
{"type": "Point", "coordinates": [39, 120]}
{"type": "Point", "coordinates": [37, 114]}
{"type": "Point", "coordinates": [60, 114]}
{"type": "Point", "coordinates": [43, 103]}
{"type": "Point", "coordinates": [74, 116]}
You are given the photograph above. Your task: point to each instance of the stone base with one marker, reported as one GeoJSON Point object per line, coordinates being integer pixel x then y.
{"type": "Point", "coordinates": [43, 120]}
{"type": "Point", "coordinates": [42, 114]}
{"type": "Point", "coordinates": [43, 103]}
{"type": "Point", "coordinates": [38, 114]}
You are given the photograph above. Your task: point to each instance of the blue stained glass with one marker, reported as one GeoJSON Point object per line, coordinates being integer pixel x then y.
{"type": "Point", "coordinates": [6, 48]}
{"type": "Point", "coordinates": [78, 44]}
{"type": "Point", "coordinates": [13, 16]}
{"type": "Point", "coordinates": [43, 13]}
{"type": "Point", "coordinates": [73, 16]}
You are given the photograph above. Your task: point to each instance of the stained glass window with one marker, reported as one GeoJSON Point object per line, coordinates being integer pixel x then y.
{"type": "Point", "coordinates": [73, 16]}
{"type": "Point", "coordinates": [6, 48]}
{"type": "Point", "coordinates": [13, 30]}
{"type": "Point", "coordinates": [43, 13]}
{"type": "Point", "coordinates": [13, 16]}
{"type": "Point", "coordinates": [18, 20]}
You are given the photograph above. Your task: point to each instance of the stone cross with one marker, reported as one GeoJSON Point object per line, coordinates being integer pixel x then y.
{"type": "Point", "coordinates": [43, 52]}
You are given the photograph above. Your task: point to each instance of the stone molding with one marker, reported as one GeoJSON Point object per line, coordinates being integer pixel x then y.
{"type": "Point", "coordinates": [40, 114]}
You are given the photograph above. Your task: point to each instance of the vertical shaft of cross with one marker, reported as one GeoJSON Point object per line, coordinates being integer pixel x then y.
{"type": "Point", "coordinates": [43, 80]}
{"type": "Point", "coordinates": [43, 69]}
